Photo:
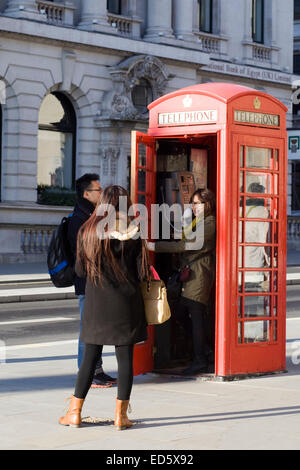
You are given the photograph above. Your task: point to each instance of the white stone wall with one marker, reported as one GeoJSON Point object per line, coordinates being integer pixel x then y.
{"type": "Point", "coordinates": [30, 77]}
{"type": "Point", "coordinates": [39, 58]}
{"type": "Point", "coordinates": [284, 35]}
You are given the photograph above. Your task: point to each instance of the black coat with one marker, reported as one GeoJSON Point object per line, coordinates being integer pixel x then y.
{"type": "Point", "coordinates": [82, 212]}
{"type": "Point", "coordinates": [114, 312]}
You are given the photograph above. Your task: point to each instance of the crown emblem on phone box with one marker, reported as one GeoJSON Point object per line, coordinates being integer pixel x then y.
{"type": "Point", "coordinates": [187, 101]}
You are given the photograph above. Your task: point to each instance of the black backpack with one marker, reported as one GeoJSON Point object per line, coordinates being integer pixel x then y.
{"type": "Point", "coordinates": [60, 259]}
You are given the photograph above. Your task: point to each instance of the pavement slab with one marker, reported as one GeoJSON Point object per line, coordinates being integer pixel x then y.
{"type": "Point", "coordinates": [170, 413]}
{"type": "Point", "coordinates": [256, 413]}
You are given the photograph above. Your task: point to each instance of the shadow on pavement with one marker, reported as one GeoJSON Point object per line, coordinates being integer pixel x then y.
{"type": "Point", "coordinates": [214, 417]}
{"type": "Point", "coordinates": [201, 418]}
{"type": "Point", "coordinates": [47, 358]}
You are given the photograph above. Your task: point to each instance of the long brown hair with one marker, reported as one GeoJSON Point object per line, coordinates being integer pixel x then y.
{"type": "Point", "coordinates": [208, 198]}
{"type": "Point", "coordinates": [92, 249]}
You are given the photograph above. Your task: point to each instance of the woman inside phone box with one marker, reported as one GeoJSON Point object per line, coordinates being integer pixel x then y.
{"type": "Point", "coordinates": [198, 278]}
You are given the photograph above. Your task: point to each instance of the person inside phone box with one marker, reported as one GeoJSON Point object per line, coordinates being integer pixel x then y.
{"type": "Point", "coordinates": [197, 263]}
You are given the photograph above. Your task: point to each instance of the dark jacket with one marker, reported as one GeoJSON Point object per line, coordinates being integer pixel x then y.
{"type": "Point", "coordinates": [82, 212]}
{"type": "Point", "coordinates": [114, 312]}
{"type": "Point", "coordinates": [198, 287]}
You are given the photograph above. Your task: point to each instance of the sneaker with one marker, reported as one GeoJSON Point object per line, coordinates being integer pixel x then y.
{"type": "Point", "coordinates": [98, 382]}
{"type": "Point", "coordinates": [106, 378]}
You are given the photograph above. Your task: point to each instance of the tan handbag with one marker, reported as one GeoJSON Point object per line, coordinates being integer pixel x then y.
{"type": "Point", "coordinates": [155, 300]}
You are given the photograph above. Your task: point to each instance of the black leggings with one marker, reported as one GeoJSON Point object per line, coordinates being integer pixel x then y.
{"type": "Point", "coordinates": [85, 376]}
{"type": "Point", "coordinates": [194, 318]}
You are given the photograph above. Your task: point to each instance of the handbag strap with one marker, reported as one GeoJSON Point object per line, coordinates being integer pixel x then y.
{"type": "Point", "coordinates": [199, 257]}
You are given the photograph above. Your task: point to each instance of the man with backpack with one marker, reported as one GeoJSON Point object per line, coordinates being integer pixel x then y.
{"type": "Point", "coordinates": [88, 192]}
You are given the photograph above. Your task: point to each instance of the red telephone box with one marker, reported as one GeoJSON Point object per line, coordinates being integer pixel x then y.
{"type": "Point", "coordinates": [239, 134]}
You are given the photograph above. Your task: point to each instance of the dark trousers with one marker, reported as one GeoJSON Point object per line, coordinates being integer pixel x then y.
{"type": "Point", "coordinates": [92, 352]}
{"type": "Point", "coordinates": [193, 317]}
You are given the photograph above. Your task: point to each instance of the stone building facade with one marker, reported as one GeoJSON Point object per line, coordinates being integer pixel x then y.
{"type": "Point", "coordinates": [294, 142]}
{"type": "Point", "coordinates": [102, 61]}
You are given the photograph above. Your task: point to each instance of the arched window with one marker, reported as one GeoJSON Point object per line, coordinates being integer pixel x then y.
{"type": "Point", "coordinates": [142, 95]}
{"type": "Point", "coordinates": [57, 142]}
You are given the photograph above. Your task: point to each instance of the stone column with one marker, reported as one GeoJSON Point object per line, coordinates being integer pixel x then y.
{"type": "Point", "coordinates": [247, 21]}
{"type": "Point", "coordinates": [24, 9]}
{"type": "Point", "coordinates": [132, 8]}
{"type": "Point", "coordinates": [159, 19]}
{"type": "Point", "coordinates": [94, 16]}
{"type": "Point", "coordinates": [183, 19]}
{"type": "Point", "coordinates": [271, 15]}
{"type": "Point", "coordinates": [136, 21]}
{"type": "Point", "coordinates": [69, 10]}
{"type": "Point", "coordinates": [247, 40]}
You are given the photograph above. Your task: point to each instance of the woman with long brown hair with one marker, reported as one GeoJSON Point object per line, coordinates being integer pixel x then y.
{"type": "Point", "coordinates": [114, 259]}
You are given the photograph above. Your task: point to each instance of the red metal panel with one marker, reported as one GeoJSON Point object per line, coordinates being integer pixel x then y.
{"type": "Point", "coordinates": [223, 249]}
{"type": "Point", "coordinates": [266, 356]}
{"type": "Point", "coordinates": [143, 352]}
{"type": "Point", "coordinates": [232, 357]}
{"type": "Point", "coordinates": [143, 358]}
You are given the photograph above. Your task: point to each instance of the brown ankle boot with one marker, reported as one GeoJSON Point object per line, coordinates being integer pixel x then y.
{"type": "Point", "coordinates": [73, 415]}
{"type": "Point", "coordinates": [121, 419]}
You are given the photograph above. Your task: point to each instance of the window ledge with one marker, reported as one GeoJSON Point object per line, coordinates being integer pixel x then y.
{"type": "Point", "coordinates": [128, 26]}
{"type": "Point", "coordinates": [32, 206]}
{"type": "Point", "coordinates": [257, 53]}
{"type": "Point", "coordinates": [212, 43]}
{"type": "Point", "coordinates": [57, 13]}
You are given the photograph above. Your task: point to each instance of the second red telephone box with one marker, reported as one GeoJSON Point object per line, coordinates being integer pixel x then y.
{"type": "Point", "coordinates": [231, 139]}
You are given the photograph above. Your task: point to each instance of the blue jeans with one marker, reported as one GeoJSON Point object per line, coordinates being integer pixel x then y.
{"type": "Point", "coordinates": [81, 300]}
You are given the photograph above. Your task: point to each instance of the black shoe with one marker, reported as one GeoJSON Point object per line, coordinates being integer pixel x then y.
{"type": "Point", "coordinates": [106, 378]}
{"type": "Point", "coordinates": [195, 369]}
{"type": "Point", "coordinates": [98, 382]}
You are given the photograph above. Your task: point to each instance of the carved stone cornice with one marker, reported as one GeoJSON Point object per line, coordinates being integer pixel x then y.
{"type": "Point", "coordinates": [117, 103]}
{"type": "Point", "coordinates": [109, 157]}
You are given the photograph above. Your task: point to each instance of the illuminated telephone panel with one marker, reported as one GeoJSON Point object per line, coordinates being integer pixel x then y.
{"type": "Point", "coordinates": [186, 186]}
